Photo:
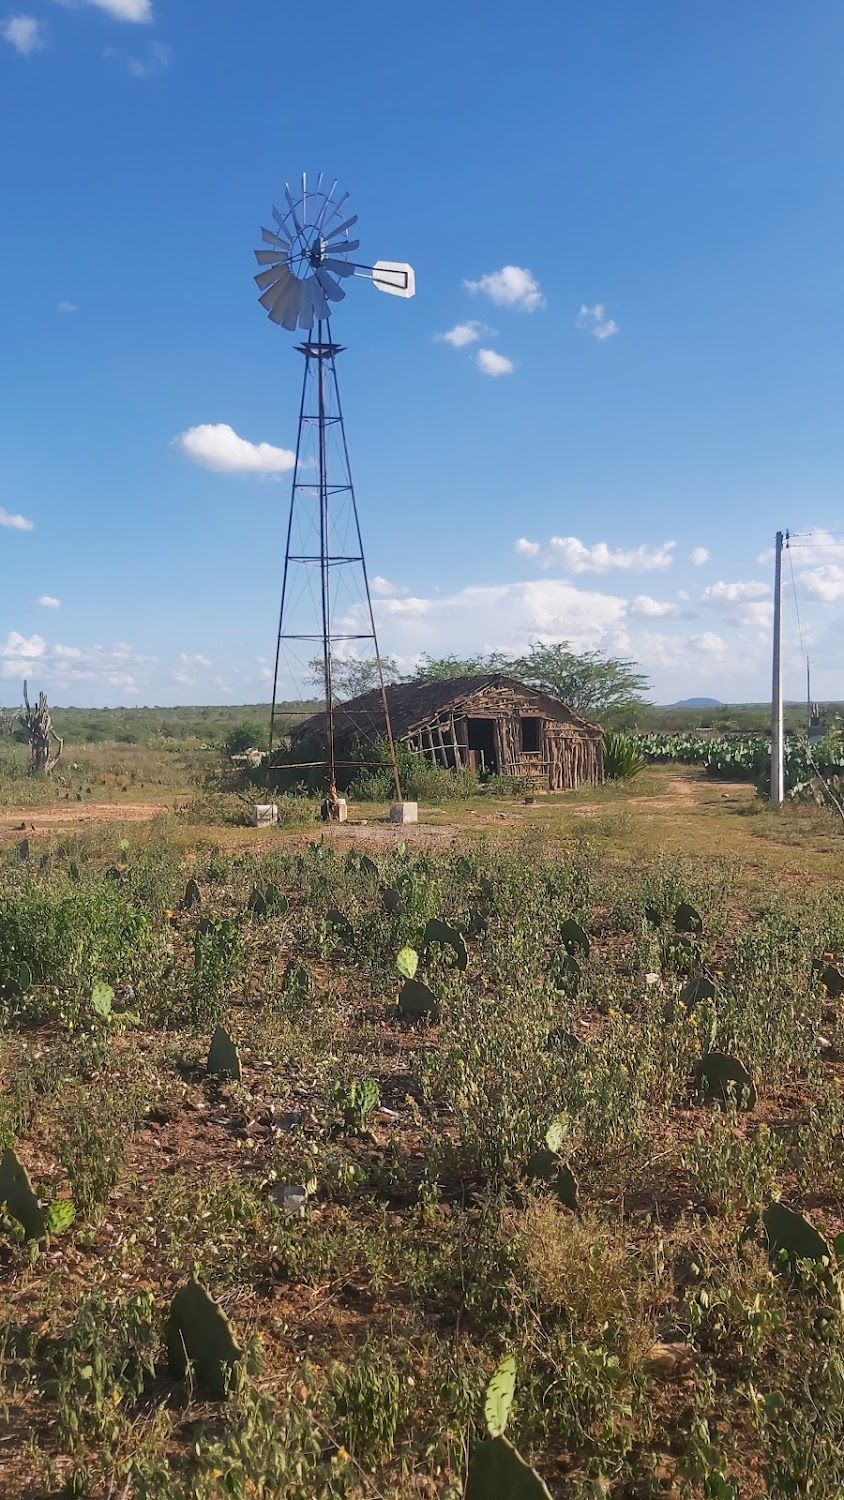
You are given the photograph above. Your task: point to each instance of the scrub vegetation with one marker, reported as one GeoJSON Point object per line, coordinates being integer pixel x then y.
{"type": "Point", "coordinates": [538, 1124]}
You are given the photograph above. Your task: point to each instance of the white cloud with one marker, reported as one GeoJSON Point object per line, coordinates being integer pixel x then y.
{"type": "Point", "coordinates": [825, 583]}
{"type": "Point", "coordinates": [643, 607]}
{"type": "Point", "coordinates": [48, 601]}
{"type": "Point", "coordinates": [748, 603]}
{"type": "Point", "coordinates": [217, 446]}
{"type": "Point", "coordinates": [24, 33]}
{"type": "Point", "coordinates": [708, 643]}
{"type": "Point", "coordinates": [595, 320]}
{"type": "Point", "coordinates": [736, 593]}
{"type": "Point", "coordinates": [157, 59]}
{"type": "Point", "coordinates": [66, 307]}
{"type": "Point", "coordinates": [17, 523]}
{"type": "Point", "coordinates": [699, 556]}
{"type": "Point", "coordinates": [502, 617]}
{"type": "Point", "coordinates": [384, 588]}
{"type": "Point", "coordinates": [818, 561]}
{"type": "Point", "coordinates": [118, 667]}
{"type": "Point", "coordinates": [184, 672]}
{"type": "Point", "coordinates": [574, 556]}
{"type": "Point", "coordinates": [125, 10]}
{"type": "Point", "coordinates": [512, 286]}
{"type": "Point", "coordinates": [490, 363]}
{"type": "Point", "coordinates": [462, 334]}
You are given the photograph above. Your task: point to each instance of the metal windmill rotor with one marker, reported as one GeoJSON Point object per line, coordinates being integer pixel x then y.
{"type": "Point", "coordinates": [305, 262]}
{"type": "Point", "coordinates": [308, 257]}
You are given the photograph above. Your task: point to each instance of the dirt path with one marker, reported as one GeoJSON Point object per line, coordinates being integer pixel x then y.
{"type": "Point", "coordinates": [15, 821]}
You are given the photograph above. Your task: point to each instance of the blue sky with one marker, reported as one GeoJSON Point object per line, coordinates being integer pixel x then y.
{"type": "Point", "coordinates": [648, 200]}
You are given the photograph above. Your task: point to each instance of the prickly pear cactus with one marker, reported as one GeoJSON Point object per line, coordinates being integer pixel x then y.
{"type": "Point", "coordinates": [192, 896]}
{"type": "Point", "coordinates": [574, 939]}
{"type": "Point", "coordinates": [417, 1002]}
{"type": "Point", "coordinates": [721, 1077]}
{"type": "Point", "coordinates": [548, 1167]}
{"type": "Point", "coordinates": [687, 919]}
{"type": "Point", "coordinates": [790, 1232]}
{"type": "Point", "coordinates": [698, 989]}
{"type": "Point", "coordinates": [498, 1472]}
{"type": "Point", "coordinates": [18, 1197]}
{"type": "Point", "coordinates": [440, 932]}
{"type": "Point", "coordinates": [223, 1057]}
{"type": "Point", "coordinates": [198, 1333]}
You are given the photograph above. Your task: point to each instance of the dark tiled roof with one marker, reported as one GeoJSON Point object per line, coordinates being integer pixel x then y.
{"type": "Point", "coordinates": [414, 704]}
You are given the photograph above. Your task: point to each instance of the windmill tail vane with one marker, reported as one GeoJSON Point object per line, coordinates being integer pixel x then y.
{"type": "Point", "coordinates": [306, 265]}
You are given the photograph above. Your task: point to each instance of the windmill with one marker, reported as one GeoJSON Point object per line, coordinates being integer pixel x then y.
{"type": "Point", "coordinates": [306, 261]}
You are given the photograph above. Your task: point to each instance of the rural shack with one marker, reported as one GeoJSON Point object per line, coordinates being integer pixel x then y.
{"type": "Point", "coordinates": [488, 722]}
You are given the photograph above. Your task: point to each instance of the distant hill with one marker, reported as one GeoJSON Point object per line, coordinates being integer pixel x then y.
{"type": "Point", "coordinates": [698, 703]}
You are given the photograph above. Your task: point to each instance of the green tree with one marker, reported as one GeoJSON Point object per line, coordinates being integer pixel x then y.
{"type": "Point", "coordinates": [354, 676]}
{"type": "Point", "coordinates": [442, 668]}
{"type": "Point", "coordinates": [590, 682]}
{"type": "Point", "coordinates": [247, 736]}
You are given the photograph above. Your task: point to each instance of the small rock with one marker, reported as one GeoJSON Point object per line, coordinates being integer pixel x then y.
{"type": "Point", "coordinates": [669, 1359]}
{"type": "Point", "coordinates": [291, 1198]}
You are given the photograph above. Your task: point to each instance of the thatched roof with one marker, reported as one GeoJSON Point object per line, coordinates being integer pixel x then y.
{"type": "Point", "coordinates": [412, 705]}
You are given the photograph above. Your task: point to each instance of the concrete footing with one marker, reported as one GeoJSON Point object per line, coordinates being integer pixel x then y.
{"type": "Point", "coordinates": [264, 814]}
{"type": "Point", "coordinates": [404, 812]}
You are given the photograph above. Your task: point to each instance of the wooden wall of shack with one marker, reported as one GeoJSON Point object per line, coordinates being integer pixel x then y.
{"type": "Point", "coordinates": [570, 753]}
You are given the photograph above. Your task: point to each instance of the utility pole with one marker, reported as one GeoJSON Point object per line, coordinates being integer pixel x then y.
{"type": "Point", "coordinates": [777, 753]}
{"type": "Point", "coordinates": [808, 697]}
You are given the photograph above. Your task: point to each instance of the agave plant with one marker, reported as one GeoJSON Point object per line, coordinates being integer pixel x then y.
{"type": "Point", "coordinates": [621, 756]}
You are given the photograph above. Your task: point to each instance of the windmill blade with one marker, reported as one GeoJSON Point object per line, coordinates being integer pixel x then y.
{"type": "Point", "coordinates": [306, 304]}
{"type": "Point", "coordinates": [292, 206]}
{"type": "Point", "coordinates": [341, 228]}
{"type": "Point", "coordinates": [274, 289]}
{"type": "Point", "coordinates": [279, 218]}
{"type": "Point", "coordinates": [320, 305]}
{"type": "Point", "coordinates": [274, 239]}
{"type": "Point", "coordinates": [339, 267]}
{"type": "Point", "coordinates": [326, 205]}
{"type": "Point", "coordinates": [268, 257]}
{"type": "Point", "coordinates": [395, 277]}
{"type": "Point", "coordinates": [304, 197]}
{"type": "Point", "coordinates": [285, 309]}
{"type": "Point", "coordinates": [343, 247]}
{"type": "Point", "coordinates": [333, 292]}
{"type": "Point", "coordinates": [274, 274]}
{"type": "Point", "coordinates": [338, 207]}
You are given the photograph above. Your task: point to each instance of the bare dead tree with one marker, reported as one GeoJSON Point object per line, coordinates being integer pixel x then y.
{"type": "Point", "coordinates": [40, 732]}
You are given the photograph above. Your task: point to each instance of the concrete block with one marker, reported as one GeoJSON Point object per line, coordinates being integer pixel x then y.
{"type": "Point", "coordinates": [404, 812]}
{"type": "Point", "coordinates": [342, 810]}
{"type": "Point", "coordinates": [264, 814]}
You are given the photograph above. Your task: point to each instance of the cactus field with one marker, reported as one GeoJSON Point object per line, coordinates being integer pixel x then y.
{"type": "Point", "coordinates": [510, 1165]}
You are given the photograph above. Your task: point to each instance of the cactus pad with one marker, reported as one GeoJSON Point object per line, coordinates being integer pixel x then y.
{"type": "Point", "coordinates": [18, 1196]}
{"type": "Point", "coordinates": [720, 1077]}
{"type": "Point", "coordinates": [199, 1333]}
{"type": "Point", "coordinates": [223, 1057]}
{"type": "Point", "coordinates": [417, 1002]}
{"type": "Point", "coordinates": [687, 919]}
{"type": "Point", "coordinates": [547, 1166]}
{"type": "Point", "coordinates": [574, 939]}
{"type": "Point", "coordinates": [789, 1232]}
{"type": "Point", "coordinates": [440, 932]}
{"type": "Point", "coordinates": [498, 1472]}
